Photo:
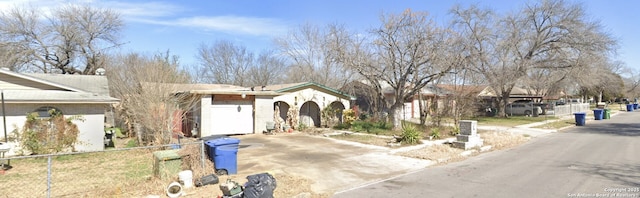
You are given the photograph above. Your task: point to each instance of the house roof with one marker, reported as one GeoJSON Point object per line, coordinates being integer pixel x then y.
{"type": "Point", "coordinates": [88, 83]}
{"type": "Point", "coordinates": [476, 90]}
{"type": "Point", "coordinates": [281, 88]}
{"type": "Point", "coordinates": [55, 88]}
{"type": "Point", "coordinates": [37, 80]}
{"type": "Point", "coordinates": [222, 89]}
{"type": "Point", "coordinates": [55, 96]}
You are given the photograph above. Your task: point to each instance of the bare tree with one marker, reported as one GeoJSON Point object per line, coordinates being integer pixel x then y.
{"type": "Point", "coordinates": [147, 88]}
{"type": "Point", "coordinates": [547, 35]}
{"type": "Point", "coordinates": [224, 63]}
{"type": "Point", "coordinates": [269, 68]}
{"type": "Point", "coordinates": [73, 39]}
{"type": "Point", "coordinates": [309, 50]}
{"type": "Point", "coordinates": [406, 52]}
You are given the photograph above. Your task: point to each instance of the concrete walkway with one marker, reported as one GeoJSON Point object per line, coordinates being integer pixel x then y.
{"type": "Point", "coordinates": [528, 129]}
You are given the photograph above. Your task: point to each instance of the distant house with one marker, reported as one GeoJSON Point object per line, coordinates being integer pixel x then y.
{"type": "Point", "coordinates": [430, 98]}
{"type": "Point", "coordinates": [73, 95]}
{"type": "Point", "coordinates": [519, 93]}
{"type": "Point", "coordinates": [228, 109]}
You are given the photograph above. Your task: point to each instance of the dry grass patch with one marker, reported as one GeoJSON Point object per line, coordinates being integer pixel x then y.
{"type": "Point", "coordinates": [503, 140]}
{"type": "Point", "coordinates": [124, 174]}
{"type": "Point", "coordinates": [365, 139]}
{"type": "Point", "coordinates": [435, 152]}
{"type": "Point", "coordinates": [291, 185]}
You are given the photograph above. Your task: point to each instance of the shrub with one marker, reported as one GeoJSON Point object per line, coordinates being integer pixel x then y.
{"type": "Point", "coordinates": [349, 116]}
{"type": "Point", "coordinates": [341, 126]}
{"type": "Point", "coordinates": [454, 131]}
{"type": "Point", "coordinates": [410, 134]}
{"type": "Point", "coordinates": [301, 126]}
{"type": "Point", "coordinates": [435, 133]}
{"type": "Point", "coordinates": [132, 143]}
{"type": "Point", "coordinates": [359, 126]}
{"type": "Point", "coordinates": [383, 125]}
{"type": "Point", "coordinates": [49, 135]}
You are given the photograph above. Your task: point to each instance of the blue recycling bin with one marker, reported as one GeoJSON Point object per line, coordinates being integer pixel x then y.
{"type": "Point", "coordinates": [629, 107]}
{"type": "Point", "coordinates": [635, 106]}
{"type": "Point", "coordinates": [224, 154]}
{"type": "Point", "coordinates": [598, 114]}
{"type": "Point", "coordinates": [580, 118]}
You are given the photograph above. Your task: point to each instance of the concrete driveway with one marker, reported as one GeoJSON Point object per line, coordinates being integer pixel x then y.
{"type": "Point", "coordinates": [333, 165]}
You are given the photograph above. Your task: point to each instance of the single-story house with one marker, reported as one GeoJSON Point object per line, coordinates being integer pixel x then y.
{"type": "Point", "coordinates": [228, 109]}
{"type": "Point", "coordinates": [86, 96]}
{"type": "Point", "coordinates": [309, 99]}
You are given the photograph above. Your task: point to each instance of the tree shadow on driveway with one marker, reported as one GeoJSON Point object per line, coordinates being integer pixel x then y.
{"type": "Point", "coordinates": [624, 174]}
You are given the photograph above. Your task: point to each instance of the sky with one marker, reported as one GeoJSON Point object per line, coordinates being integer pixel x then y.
{"type": "Point", "coordinates": [181, 26]}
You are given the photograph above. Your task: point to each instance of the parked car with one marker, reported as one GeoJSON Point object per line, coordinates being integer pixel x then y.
{"type": "Point", "coordinates": [526, 109]}
{"type": "Point", "coordinates": [523, 101]}
{"type": "Point", "coordinates": [621, 100]}
{"type": "Point", "coordinates": [543, 106]}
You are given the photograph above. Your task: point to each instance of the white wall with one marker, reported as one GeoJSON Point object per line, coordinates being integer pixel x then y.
{"type": "Point", "coordinates": [205, 115]}
{"type": "Point", "coordinates": [91, 137]}
{"type": "Point", "coordinates": [321, 98]}
{"type": "Point", "coordinates": [263, 112]}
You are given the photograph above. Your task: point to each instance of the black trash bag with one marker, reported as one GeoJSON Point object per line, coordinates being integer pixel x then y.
{"type": "Point", "coordinates": [259, 186]}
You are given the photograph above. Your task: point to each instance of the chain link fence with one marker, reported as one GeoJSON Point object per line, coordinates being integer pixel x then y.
{"type": "Point", "coordinates": [126, 172]}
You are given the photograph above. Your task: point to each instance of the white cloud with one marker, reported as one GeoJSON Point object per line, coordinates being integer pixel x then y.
{"type": "Point", "coordinates": [168, 14]}
{"type": "Point", "coordinates": [145, 9]}
{"type": "Point", "coordinates": [231, 24]}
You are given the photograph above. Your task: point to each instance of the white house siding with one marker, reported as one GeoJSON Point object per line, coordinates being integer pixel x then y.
{"type": "Point", "coordinates": [205, 104]}
{"type": "Point", "coordinates": [89, 138]}
{"type": "Point", "coordinates": [263, 112]}
{"type": "Point", "coordinates": [322, 99]}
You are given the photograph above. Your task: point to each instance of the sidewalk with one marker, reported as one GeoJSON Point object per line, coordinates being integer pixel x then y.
{"type": "Point", "coordinates": [527, 129]}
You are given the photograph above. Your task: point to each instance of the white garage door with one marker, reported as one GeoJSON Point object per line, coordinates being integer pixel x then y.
{"type": "Point", "coordinates": [232, 117]}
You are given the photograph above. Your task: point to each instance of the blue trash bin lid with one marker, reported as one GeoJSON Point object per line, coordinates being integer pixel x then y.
{"type": "Point", "coordinates": [222, 141]}
{"type": "Point", "coordinates": [580, 113]}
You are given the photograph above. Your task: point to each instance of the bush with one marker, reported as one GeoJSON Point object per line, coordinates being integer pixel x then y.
{"type": "Point", "coordinates": [383, 125]}
{"type": "Point", "coordinates": [341, 126]}
{"type": "Point", "coordinates": [302, 127]}
{"type": "Point", "coordinates": [454, 131]}
{"type": "Point", "coordinates": [359, 126]}
{"type": "Point", "coordinates": [410, 134]}
{"type": "Point", "coordinates": [49, 135]}
{"type": "Point", "coordinates": [349, 116]}
{"type": "Point", "coordinates": [435, 133]}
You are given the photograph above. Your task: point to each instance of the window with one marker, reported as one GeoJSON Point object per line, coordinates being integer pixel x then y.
{"type": "Point", "coordinates": [47, 112]}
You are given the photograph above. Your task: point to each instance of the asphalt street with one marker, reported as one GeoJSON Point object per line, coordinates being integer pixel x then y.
{"type": "Point", "coordinates": [600, 159]}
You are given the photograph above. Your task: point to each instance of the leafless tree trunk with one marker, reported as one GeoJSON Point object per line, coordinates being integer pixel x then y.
{"type": "Point", "coordinates": [224, 63]}
{"type": "Point", "coordinates": [405, 53]}
{"type": "Point", "coordinates": [73, 39]}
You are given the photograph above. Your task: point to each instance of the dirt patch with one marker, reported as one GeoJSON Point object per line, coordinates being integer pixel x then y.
{"type": "Point", "coordinates": [364, 139]}
{"type": "Point", "coordinates": [438, 153]}
{"type": "Point", "coordinates": [503, 140]}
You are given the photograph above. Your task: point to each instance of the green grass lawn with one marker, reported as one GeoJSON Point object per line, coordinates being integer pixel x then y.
{"type": "Point", "coordinates": [558, 124]}
{"type": "Point", "coordinates": [511, 121]}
